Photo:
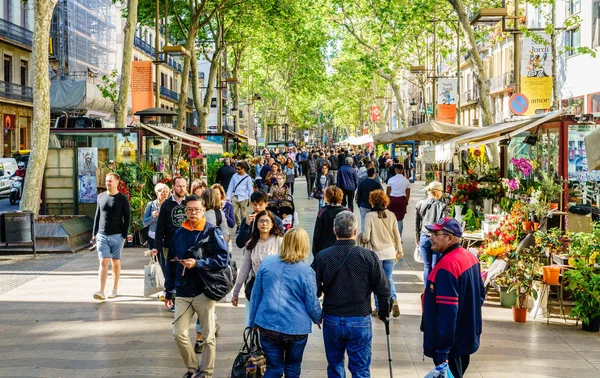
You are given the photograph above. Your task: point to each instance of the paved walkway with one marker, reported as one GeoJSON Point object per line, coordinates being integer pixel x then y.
{"type": "Point", "coordinates": [51, 327]}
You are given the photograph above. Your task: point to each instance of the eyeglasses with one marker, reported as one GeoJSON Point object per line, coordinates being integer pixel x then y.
{"type": "Point", "coordinates": [438, 233]}
{"type": "Point", "coordinates": [265, 221]}
{"type": "Point", "coordinates": [192, 210]}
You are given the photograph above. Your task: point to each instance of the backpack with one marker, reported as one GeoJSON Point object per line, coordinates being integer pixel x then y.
{"type": "Point", "coordinates": [313, 168]}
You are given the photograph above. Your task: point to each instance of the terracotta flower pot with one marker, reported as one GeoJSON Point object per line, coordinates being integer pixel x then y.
{"type": "Point", "coordinates": [519, 314]}
{"type": "Point", "coordinates": [553, 206]}
{"type": "Point", "coordinates": [536, 225]}
{"type": "Point", "coordinates": [527, 226]}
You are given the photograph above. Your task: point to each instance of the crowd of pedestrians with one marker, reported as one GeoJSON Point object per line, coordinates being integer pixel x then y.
{"type": "Point", "coordinates": [353, 264]}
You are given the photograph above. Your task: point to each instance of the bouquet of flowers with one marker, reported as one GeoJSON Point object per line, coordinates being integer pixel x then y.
{"type": "Point", "coordinates": [488, 189]}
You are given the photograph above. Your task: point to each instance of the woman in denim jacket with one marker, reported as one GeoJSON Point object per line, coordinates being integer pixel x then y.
{"type": "Point", "coordinates": [152, 209]}
{"type": "Point", "coordinates": [285, 304]}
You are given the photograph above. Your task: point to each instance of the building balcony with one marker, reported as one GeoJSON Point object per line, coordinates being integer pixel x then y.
{"type": "Point", "coordinates": [471, 95]}
{"type": "Point", "coordinates": [15, 33]}
{"type": "Point", "coordinates": [501, 82]}
{"type": "Point", "coordinates": [144, 47]}
{"type": "Point", "coordinates": [16, 92]}
{"type": "Point", "coordinates": [167, 93]}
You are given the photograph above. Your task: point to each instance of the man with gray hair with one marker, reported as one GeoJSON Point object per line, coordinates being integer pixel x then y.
{"type": "Point", "coordinates": [347, 275]}
{"type": "Point", "coordinates": [347, 180]}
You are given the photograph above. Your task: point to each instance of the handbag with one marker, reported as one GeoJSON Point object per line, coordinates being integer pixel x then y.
{"type": "Point", "coordinates": [143, 235]}
{"type": "Point", "coordinates": [248, 286]}
{"type": "Point", "coordinates": [217, 283]}
{"type": "Point", "coordinates": [361, 243]}
{"type": "Point", "coordinates": [250, 361]}
{"type": "Point", "coordinates": [154, 281]}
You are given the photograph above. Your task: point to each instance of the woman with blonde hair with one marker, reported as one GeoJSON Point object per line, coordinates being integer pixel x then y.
{"type": "Point", "coordinates": [429, 211]}
{"type": "Point", "coordinates": [227, 206]}
{"type": "Point", "coordinates": [382, 232]}
{"type": "Point", "coordinates": [285, 304]}
{"type": "Point", "coordinates": [197, 187]}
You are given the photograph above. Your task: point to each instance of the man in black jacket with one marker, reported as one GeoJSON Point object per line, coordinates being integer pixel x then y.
{"type": "Point", "coordinates": [259, 201]}
{"type": "Point", "coordinates": [224, 174]}
{"type": "Point", "coordinates": [365, 187]}
{"type": "Point", "coordinates": [347, 275]}
{"type": "Point", "coordinates": [335, 165]}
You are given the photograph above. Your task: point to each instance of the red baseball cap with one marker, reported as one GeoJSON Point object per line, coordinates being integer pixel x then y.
{"type": "Point", "coordinates": [450, 225]}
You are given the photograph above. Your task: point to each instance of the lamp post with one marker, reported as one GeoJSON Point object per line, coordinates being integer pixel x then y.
{"type": "Point", "coordinates": [413, 109]}
{"type": "Point", "coordinates": [250, 102]}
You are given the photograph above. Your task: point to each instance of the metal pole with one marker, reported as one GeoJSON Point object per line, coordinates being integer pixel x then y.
{"type": "Point", "coordinates": [517, 47]}
{"type": "Point", "coordinates": [157, 58]}
{"type": "Point", "coordinates": [458, 111]}
{"type": "Point", "coordinates": [434, 89]}
{"type": "Point", "coordinates": [219, 98]}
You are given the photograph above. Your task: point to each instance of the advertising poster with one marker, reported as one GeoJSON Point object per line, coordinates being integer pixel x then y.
{"type": "Point", "coordinates": [142, 93]}
{"type": "Point", "coordinates": [536, 74]}
{"type": "Point", "coordinates": [126, 148]}
{"type": "Point", "coordinates": [87, 163]}
{"type": "Point", "coordinates": [447, 95]}
{"type": "Point", "coordinates": [87, 189]}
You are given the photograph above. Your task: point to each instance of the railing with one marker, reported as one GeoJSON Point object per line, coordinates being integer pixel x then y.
{"type": "Point", "coordinates": [470, 95]}
{"type": "Point", "coordinates": [145, 47]}
{"type": "Point", "coordinates": [15, 33]}
{"type": "Point", "coordinates": [174, 65]}
{"type": "Point", "coordinates": [503, 81]}
{"type": "Point", "coordinates": [172, 95]}
{"type": "Point", "coordinates": [16, 92]}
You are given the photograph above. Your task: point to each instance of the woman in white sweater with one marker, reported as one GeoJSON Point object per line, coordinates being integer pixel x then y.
{"type": "Point", "coordinates": [265, 240]}
{"type": "Point", "coordinates": [381, 230]}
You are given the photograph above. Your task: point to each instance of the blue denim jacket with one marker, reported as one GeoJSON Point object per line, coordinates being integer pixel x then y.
{"type": "Point", "coordinates": [284, 297]}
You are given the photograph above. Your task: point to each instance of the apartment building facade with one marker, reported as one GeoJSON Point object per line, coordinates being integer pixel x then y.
{"type": "Point", "coordinates": [16, 93]}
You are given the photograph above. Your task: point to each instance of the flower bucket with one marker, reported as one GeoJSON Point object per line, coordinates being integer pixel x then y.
{"type": "Point", "coordinates": [535, 226]}
{"type": "Point", "coordinates": [592, 326]}
{"type": "Point", "coordinates": [551, 275]}
{"type": "Point", "coordinates": [527, 226]}
{"type": "Point", "coordinates": [458, 213]}
{"type": "Point", "coordinates": [508, 298]}
{"type": "Point", "coordinates": [553, 206]}
{"type": "Point", "coordinates": [519, 314]}
{"type": "Point", "coordinates": [488, 204]}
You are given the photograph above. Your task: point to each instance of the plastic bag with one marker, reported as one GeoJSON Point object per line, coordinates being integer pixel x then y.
{"type": "Point", "coordinates": [440, 371]}
{"type": "Point", "coordinates": [154, 280]}
{"type": "Point", "coordinates": [418, 257]}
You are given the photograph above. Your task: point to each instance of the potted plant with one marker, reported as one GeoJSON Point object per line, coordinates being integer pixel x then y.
{"type": "Point", "coordinates": [508, 298]}
{"type": "Point", "coordinates": [524, 267]}
{"type": "Point", "coordinates": [549, 189]}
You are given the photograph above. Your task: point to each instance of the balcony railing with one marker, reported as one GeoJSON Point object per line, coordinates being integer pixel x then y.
{"type": "Point", "coordinates": [16, 33]}
{"type": "Point", "coordinates": [470, 95]}
{"type": "Point", "coordinates": [145, 47]}
{"type": "Point", "coordinates": [165, 92]}
{"type": "Point", "coordinates": [500, 82]}
{"type": "Point", "coordinates": [16, 92]}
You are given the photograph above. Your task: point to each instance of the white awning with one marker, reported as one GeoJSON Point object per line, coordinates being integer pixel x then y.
{"type": "Point", "coordinates": [178, 136]}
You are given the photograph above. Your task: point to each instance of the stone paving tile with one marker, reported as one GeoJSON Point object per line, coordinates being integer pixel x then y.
{"type": "Point", "coordinates": [51, 327]}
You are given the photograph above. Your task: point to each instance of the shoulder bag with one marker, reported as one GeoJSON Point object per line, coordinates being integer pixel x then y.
{"type": "Point", "coordinates": [238, 184]}
{"type": "Point", "coordinates": [250, 361]}
{"type": "Point", "coordinates": [328, 286]}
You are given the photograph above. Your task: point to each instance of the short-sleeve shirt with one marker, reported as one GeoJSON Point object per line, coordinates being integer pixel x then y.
{"type": "Point", "coordinates": [399, 184]}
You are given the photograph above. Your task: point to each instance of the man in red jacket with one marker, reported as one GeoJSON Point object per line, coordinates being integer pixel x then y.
{"type": "Point", "coordinates": [452, 301]}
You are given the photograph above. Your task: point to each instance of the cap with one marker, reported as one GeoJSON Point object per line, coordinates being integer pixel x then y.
{"type": "Point", "coordinates": [450, 225]}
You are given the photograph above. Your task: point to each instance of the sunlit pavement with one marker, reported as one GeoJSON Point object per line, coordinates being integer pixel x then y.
{"type": "Point", "coordinates": [51, 327]}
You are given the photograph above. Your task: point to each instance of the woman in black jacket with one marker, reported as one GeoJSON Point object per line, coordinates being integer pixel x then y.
{"type": "Point", "coordinates": [323, 180]}
{"type": "Point", "coordinates": [323, 236]}
{"type": "Point", "coordinates": [429, 211]}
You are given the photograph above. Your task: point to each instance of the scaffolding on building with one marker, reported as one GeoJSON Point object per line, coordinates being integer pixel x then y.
{"type": "Point", "coordinates": [84, 36]}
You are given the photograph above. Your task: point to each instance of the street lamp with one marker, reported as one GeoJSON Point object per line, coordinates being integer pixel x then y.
{"type": "Point", "coordinates": [413, 109]}
{"type": "Point", "coordinates": [249, 102]}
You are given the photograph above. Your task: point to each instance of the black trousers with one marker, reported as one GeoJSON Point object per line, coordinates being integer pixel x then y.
{"type": "Point", "coordinates": [348, 200]}
{"type": "Point", "coordinates": [458, 365]}
{"type": "Point", "coordinates": [310, 182]}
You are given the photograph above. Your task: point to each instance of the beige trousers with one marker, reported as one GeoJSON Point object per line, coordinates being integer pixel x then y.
{"type": "Point", "coordinates": [184, 314]}
{"type": "Point", "coordinates": [239, 210]}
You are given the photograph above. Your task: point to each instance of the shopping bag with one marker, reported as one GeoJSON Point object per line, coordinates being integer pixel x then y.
{"type": "Point", "coordinates": [154, 281]}
{"type": "Point", "coordinates": [418, 257]}
{"type": "Point", "coordinates": [440, 371]}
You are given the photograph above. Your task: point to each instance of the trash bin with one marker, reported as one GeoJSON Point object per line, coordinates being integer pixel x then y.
{"type": "Point", "coordinates": [16, 227]}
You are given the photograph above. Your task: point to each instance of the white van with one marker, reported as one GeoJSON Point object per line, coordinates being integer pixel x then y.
{"type": "Point", "coordinates": [8, 166]}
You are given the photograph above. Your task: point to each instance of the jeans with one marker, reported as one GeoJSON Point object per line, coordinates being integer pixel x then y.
{"type": "Point", "coordinates": [321, 203]}
{"type": "Point", "coordinates": [363, 212]}
{"type": "Point", "coordinates": [388, 268]}
{"type": "Point", "coordinates": [400, 226]}
{"type": "Point", "coordinates": [430, 258]}
{"type": "Point", "coordinates": [348, 199]}
{"type": "Point", "coordinates": [352, 335]}
{"type": "Point", "coordinates": [283, 353]}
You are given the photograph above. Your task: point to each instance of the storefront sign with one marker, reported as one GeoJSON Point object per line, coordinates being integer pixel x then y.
{"type": "Point", "coordinates": [536, 74]}
{"type": "Point", "coordinates": [126, 148]}
{"type": "Point", "coordinates": [447, 95]}
{"type": "Point", "coordinates": [375, 113]}
{"type": "Point", "coordinates": [9, 121]}
{"type": "Point", "coordinates": [87, 163]}
{"type": "Point", "coordinates": [142, 93]}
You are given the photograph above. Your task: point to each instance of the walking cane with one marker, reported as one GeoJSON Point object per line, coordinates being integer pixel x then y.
{"type": "Point", "coordinates": [387, 335]}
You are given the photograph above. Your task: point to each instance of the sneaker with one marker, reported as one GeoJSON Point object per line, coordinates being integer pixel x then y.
{"type": "Point", "coordinates": [113, 293]}
{"type": "Point", "coordinates": [172, 309]}
{"type": "Point", "coordinates": [99, 296]}
{"type": "Point", "coordinates": [194, 374]}
{"type": "Point", "coordinates": [198, 346]}
{"type": "Point", "coordinates": [375, 312]}
{"type": "Point", "coordinates": [396, 309]}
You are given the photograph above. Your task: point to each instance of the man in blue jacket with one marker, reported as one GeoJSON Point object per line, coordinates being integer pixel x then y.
{"type": "Point", "coordinates": [452, 300]}
{"type": "Point", "coordinates": [347, 180]}
{"type": "Point", "coordinates": [183, 276]}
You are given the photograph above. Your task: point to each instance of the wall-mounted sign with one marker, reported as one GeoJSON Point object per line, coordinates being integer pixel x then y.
{"type": "Point", "coordinates": [8, 121]}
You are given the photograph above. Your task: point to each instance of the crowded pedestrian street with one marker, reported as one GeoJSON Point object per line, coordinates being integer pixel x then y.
{"type": "Point", "coordinates": [50, 326]}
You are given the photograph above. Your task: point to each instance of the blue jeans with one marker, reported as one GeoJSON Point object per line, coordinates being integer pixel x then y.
{"type": "Point", "coordinates": [363, 212]}
{"type": "Point", "coordinates": [430, 257]}
{"type": "Point", "coordinates": [284, 355]}
{"type": "Point", "coordinates": [321, 203]}
{"type": "Point", "coordinates": [400, 226]}
{"type": "Point", "coordinates": [388, 268]}
{"type": "Point", "coordinates": [352, 335]}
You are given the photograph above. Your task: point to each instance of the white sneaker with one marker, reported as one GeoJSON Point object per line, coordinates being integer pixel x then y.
{"type": "Point", "coordinates": [113, 294]}
{"type": "Point", "coordinates": [99, 296]}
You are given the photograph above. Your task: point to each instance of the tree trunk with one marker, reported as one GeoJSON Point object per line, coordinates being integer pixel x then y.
{"type": "Point", "coordinates": [196, 86]}
{"type": "Point", "coordinates": [32, 188]}
{"type": "Point", "coordinates": [183, 92]}
{"type": "Point", "coordinates": [555, 97]}
{"type": "Point", "coordinates": [210, 86]}
{"type": "Point", "coordinates": [400, 101]}
{"type": "Point", "coordinates": [130, 24]}
{"type": "Point", "coordinates": [480, 75]}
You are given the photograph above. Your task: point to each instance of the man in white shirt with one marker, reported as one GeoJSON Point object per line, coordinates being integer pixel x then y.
{"type": "Point", "coordinates": [239, 191]}
{"type": "Point", "coordinates": [398, 189]}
